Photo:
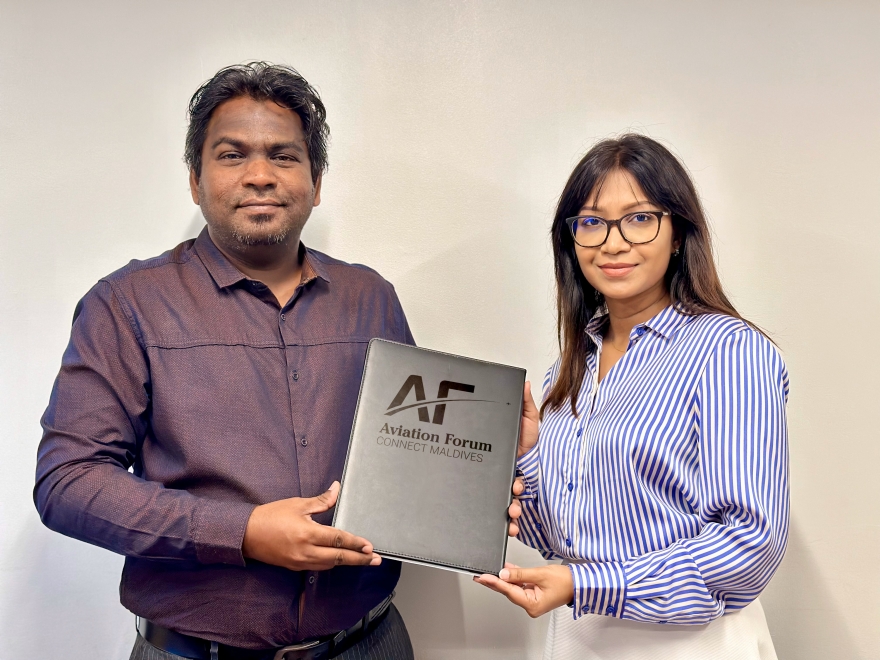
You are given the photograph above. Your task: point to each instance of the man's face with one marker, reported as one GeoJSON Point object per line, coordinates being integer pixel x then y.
{"type": "Point", "coordinates": [255, 188]}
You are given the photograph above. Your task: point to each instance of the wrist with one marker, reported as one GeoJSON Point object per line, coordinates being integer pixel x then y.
{"type": "Point", "coordinates": [250, 540]}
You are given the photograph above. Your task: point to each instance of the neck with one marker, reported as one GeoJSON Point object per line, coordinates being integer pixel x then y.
{"type": "Point", "coordinates": [278, 266]}
{"type": "Point", "coordinates": [624, 315]}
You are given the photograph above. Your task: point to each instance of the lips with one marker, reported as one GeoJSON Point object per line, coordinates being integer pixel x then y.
{"type": "Point", "coordinates": [617, 270]}
{"type": "Point", "coordinates": [261, 205]}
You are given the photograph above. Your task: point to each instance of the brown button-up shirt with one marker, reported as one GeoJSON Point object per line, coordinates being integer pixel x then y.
{"type": "Point", "coordinates": [186, 371]}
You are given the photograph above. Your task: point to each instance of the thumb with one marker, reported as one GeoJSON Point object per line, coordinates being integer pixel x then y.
{"type": "Point", "coordinates": [517, 575]}
{"type": "Point", "coordinates": [530, 410]}
{"type": "Point", "coordinates": [324, 501]}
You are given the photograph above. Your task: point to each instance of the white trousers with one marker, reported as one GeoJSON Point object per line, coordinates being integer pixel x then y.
{"type": "Point", "coordinates": [739, 635]}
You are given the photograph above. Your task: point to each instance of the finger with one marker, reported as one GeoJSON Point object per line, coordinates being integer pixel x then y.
{"type": "Point", "coordinates": [514, 510]}
{"type": "Point", "coordinates": [516, 575]}
{"type": "Point", "coordinates": [322, 502]}
{"type": "Point", "coordinates": [330, 537]}
{"type": "Point", "coordinates": [530, 410]}
{"type": "Point", "coordinates": [518, 486]}
{"type": "Point", "coordinates": [326, 558]}
{"type": "Point", "coordinates": [514, 593]}
{"type": "Point", "coordinates": [513, 529]}
{"type": "Point", "coordinates": [488, 581]}
{"type": "Point", "coordinates": [507, 564]}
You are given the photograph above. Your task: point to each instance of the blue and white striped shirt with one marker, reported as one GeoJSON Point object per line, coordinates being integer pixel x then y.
{"type": "Point", "coordinates": [668, 493]}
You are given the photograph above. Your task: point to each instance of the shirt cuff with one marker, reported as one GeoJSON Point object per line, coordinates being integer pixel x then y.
{"type": "Point", "coordinates": [218, 531]}
{"type": "Point", "coordinates": [599, 588]}
{"type": "Point", "coordinates": [529, 467]}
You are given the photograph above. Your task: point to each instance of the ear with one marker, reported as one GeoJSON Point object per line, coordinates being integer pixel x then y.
{"type": "Point", "coordinates": [194, 186]}
{"type": "Point", "coordinates": [676, 239]}
{"type": "Point", "coordinates": [317, 191]}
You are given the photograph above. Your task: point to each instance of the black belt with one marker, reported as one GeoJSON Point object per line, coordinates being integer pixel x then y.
{"type": "Point", "coordinates": [315, 649]}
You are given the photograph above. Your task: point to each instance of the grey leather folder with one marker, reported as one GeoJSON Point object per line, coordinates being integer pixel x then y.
{"type": "Point", "coordinates": [431, 459]}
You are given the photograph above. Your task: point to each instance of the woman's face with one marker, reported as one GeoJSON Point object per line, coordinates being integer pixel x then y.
{"type": "Point", "coordinates": [618, 270]}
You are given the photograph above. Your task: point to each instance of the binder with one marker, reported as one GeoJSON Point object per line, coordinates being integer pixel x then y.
{"type": "Point", "coordinates": [431, 458]}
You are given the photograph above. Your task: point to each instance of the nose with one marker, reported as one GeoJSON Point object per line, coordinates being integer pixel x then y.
{"type": "Point", "coordinates": [615, 244]}
{"type": "Point", "coordinates": [259, 174]}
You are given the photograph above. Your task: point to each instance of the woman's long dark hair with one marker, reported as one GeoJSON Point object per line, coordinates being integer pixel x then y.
{"type": "Point", "coordinates": [693, 282]}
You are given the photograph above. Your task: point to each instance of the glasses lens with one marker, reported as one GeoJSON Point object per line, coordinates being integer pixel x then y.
{"type": "Point", "coordinates": [640, 227]}
{"type": "Point", "coordinates": [589, 231]}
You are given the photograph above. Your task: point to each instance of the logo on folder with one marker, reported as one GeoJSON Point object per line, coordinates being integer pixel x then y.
{"type": "Point", "coordinates": [415, 382]}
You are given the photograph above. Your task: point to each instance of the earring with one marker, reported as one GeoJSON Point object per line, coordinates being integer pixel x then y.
{"type": "Point", "coordinates": [675, 254]}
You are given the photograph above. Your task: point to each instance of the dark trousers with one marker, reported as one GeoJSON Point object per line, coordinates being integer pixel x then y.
{"type": "Point", "coordinates": [389, 641]}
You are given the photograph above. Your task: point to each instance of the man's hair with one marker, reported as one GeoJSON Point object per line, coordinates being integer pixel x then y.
{"type": "Point", "coordinates": [260, 81]}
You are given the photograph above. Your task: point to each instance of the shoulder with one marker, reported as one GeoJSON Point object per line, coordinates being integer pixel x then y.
{"type": "Point", "coordinates": [358, 276]}
{"type": "Point", "coordinates": [716, 326]}
{"type": "Point", "coordinates": [137, 274]}
{"type": "Point", "coordinates": [735, 347]}
{"type": "Point", "coordinates": [714, 333]}
{"type": "Point", "coordinates": [141, 271]}
{"type": "Point", "coordinates": [725, 331]}
{"type": "Point", "coordinates": [550, 378]}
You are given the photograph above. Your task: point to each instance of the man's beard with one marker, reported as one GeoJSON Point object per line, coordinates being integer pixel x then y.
{"type": "Point", "coordinates": [247, 238]}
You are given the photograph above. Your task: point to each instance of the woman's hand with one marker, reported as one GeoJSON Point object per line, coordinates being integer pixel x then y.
{"type": "Point", "coordinates": [515, 508]}
{"type": "Point", "coordinates": [536, 590]}
{"type": "Point", "coordinates": [528, 436]}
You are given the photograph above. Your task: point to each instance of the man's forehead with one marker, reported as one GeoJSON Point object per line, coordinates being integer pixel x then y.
{"type": "Point", "coordinates": [246, 118]}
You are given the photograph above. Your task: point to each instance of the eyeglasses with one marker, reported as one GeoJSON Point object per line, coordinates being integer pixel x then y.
{"type": "Point", "coordinates": [635, 228]}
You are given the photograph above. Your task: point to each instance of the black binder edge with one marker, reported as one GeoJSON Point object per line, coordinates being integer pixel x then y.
{"type": "Point", "coordinates": [469, 570]}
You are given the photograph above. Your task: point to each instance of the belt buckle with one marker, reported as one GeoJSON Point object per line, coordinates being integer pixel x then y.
{"type": "Point", "coordinates": [281, 654]}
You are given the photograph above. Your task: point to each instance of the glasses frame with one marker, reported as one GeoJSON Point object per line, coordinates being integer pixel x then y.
{"type": "Point", "coordinates": [615, 223]}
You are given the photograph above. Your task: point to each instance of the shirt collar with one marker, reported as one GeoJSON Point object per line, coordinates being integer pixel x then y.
{"type": "Point", "coordinates": [225, 274]}
{"type": "Point", "coordinates": [667, 321]}
{"type": "Point", "coordinates": [664, 323]}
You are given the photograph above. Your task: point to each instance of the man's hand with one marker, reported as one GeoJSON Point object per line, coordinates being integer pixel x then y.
{"type": "Point", "coordinates": [283, 533]}
{"type": "Point", "coordinates": [528, 436]}
{"type": "Point", "coordinates": [536, 590]}
{"type": "Point", "coordinates": [515, 508]}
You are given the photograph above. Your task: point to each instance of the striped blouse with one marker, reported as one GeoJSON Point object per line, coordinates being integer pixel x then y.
{"type": "Point", "coordinates": [667, 494]}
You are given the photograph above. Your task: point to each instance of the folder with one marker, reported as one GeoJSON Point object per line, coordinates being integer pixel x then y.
{"type": "Point", "coordinates": [431, 459]}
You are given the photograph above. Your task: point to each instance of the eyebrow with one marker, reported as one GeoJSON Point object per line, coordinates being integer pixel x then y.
{"type": "Point", "coordinates": [625, 208]}
{"type": "Point", "coordinates": [238, 144]}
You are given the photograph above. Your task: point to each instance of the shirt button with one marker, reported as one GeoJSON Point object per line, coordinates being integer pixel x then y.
{"type": "Point", "coordinates": [283, 317]}
{"type": "Point", "coordinates": [295, 375]}
{"type": "Point", "coordinates": [304, 442]}
{"type": "Point", "coordinates": [311, 579]}
{"type": "Point", "coordinates": [539, 526]}
{"type": "Point", "coordinates": [570, 487]}
{"type": "Point", "coordinates": [610, 610]}
{"type": "Point", "coordinates": [586, 610]}
{"type": "Point", "coordinates": [640, 331]}
{"type": "Point", "coordinates": [568, 542]}
{"type": "Point", "coordinates": [579, 432]}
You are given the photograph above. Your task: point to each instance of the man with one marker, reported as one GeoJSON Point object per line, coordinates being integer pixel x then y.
{"type": "Point", "coordinates": [225, 373]}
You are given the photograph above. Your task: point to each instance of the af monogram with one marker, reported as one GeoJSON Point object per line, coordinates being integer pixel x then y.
{"type": "Point", "coordinates": [415, 382]}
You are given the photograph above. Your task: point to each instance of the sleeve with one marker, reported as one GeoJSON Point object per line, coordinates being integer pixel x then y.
{"type": "Point", "coordinates": [744, 504]}
{"type": "Point", "coordinates": [402, 331]}
{"type": "Point", "coordinates": [532, 523]}
{"type": "Point", "coordinates": [93, 430]}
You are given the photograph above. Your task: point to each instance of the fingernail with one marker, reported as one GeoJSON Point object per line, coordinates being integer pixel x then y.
{"type": "Point", "coordinates": [375, 561]}
{"type": "Point", "coordinates": [504, 574]}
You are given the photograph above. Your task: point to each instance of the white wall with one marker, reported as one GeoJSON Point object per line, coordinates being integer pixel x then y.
{"type": "Point", "coordinates": [454, 127]}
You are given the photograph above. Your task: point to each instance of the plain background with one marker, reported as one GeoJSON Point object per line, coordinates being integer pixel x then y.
{"type": "Point", "coordinates": [455, 125]}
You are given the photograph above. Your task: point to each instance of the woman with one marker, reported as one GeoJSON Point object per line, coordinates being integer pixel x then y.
{"type": "Point", "coordinates": [659, 470]}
